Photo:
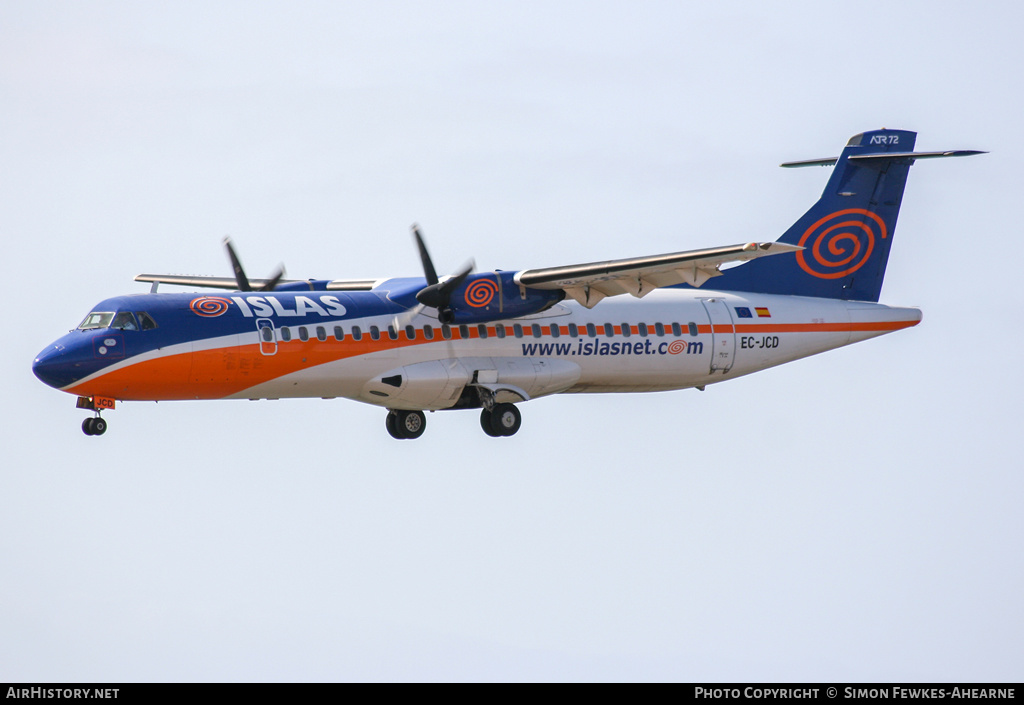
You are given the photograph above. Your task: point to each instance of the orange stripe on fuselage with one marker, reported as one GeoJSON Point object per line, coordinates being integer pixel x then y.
{"type": "Point", "coordinates": [223, 372]}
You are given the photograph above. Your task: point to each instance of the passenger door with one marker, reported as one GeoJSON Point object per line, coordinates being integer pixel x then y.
{"type": "Point", "coordinates": [268, 336]}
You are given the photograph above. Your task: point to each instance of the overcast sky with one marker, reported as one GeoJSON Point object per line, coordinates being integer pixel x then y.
{"type": "Point", "coordinates": [853, 516]}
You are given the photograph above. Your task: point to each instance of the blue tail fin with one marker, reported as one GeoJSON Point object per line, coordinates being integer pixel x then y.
{"type": "Point", "coordinates": [847, 233]}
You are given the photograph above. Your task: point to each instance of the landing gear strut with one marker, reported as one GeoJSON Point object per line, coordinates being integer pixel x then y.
{"type": "Point", "coordinates": [501, 420]}
{"type": "Point", "coordinates": [405, 425]}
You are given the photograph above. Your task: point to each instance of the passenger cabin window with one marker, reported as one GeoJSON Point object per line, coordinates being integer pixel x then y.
{"type": "Point", "coordinates": [625, 330]}
{"type": "Point", "coordinates": [555, 332]}
{"type": "Point", "coordinates": [446, 331]}
{"type": "Point", "coordinates": [303, 333]}
{"type": "Point", "coordinates": [428, 332]}
{"type": "Point", "coordinates": [676, 330]}
{"type": "Point", "coordinates": [96, 319]}
{"type": "Point", "coordinates": [464, 331]}
{"type": "Point", "coordinates": [268, 334]}
{"type": "Point", "coordinates": [321, 333]}
{"type": "Point", "coordinates": [643, 329]}
{"type": "Point", "coordinates": [692, 328]}
{"type": "Point", "coordinates": [500, 330]}
{"type": "Point", "coordinates": [410, 332]}
{"type": "Point", "coordinates": [659, 329]}
{"type": "Point", "coordinates": [392, 332]}
{"type": "Point", "coordinates": [517, 330]}
{"type": "Point", "coordinates": [536, 330]}
{"type": "Point", "coordinates": [591, 331]}
{"type": "Point", "coordinates": [609, 330]}
{"type": "Point", "coordinates": [482, 330]}
{"type": "Point", "coordinates": [146, 321]}
{"type": "Point", "coordinates": [375, 332]}
{"type": "Point", "coordinates": [357, 333]}
{"type": "Point", "coordinates": [124, 321]}
{"type": "Point", "coordinates": [286, 334]}
{"type": "Point", "coordinates": [339, 334]}
{"type": "Point", "coordinates": [573, 330]}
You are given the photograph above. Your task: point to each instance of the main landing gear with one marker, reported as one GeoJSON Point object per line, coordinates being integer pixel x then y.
{"type": "Point", "coordinates": [499, 420]}
{"type": "Point", "coordinates": [405, 425]}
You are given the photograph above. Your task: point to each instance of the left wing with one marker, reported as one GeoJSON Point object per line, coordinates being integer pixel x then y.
{"type": "Point", "coordinates": [258, 284]}
{"type": "Point", "coordinates": [589, 283]}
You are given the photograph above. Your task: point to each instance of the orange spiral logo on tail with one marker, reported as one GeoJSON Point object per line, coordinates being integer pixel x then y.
{"type": "Point", "coordinates": [481, 292]}
{"type": "Point", "coordinates": [209, 306]}
{"type": "Point", "coordinates": [840, 243]}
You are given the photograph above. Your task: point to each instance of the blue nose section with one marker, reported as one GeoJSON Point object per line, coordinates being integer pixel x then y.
{"type": "Point", "coordinates": [52, 367]}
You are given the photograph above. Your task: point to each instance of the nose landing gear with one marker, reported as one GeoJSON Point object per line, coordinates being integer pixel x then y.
{"type": "Point", "coordinates": [95, 425]}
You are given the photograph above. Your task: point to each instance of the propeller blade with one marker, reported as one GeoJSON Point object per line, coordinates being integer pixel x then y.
{"type": "Point", "coordinates": [428, 265]}
{"type": "Point", "coordinates": [453, 282]}
{"type": "Point", "coordinates": [438, 294]}
{"type": "Point", "coordinates": [274, 280]}
{"type": "Point", "coordinates": [243, 281]}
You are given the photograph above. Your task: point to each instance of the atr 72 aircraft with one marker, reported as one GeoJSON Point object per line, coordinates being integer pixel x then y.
{"type": "Point", "coordinates": [491, 340]}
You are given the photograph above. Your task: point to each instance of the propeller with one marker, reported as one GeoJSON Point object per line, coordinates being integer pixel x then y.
{"type": "Point", "coordinates": [243, 281]}
{"type": "Point", "coordinates": [438, 294]}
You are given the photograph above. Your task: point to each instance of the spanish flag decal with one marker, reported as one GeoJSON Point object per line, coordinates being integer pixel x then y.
{"type": "Point", "coordinates": [762, 312]}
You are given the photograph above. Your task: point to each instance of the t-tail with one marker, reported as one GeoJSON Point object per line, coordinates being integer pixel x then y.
{"type": "Point", "coordinates": [847, 234]}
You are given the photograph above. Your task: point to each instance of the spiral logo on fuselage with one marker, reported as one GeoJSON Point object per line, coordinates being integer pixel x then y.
{"type": "Point", "coordinates": [209, 306]}
{"type": "Point", "coordinates": [481, 292]}
{"type": "Point", "coordinates": [840, 243]}
{"type": "Point", "coordinates": [676, 347]}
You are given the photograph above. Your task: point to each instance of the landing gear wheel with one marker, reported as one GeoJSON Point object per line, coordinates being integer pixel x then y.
{"type": "Point", "coordinates": [405, 425]}
{"type": "Point", "coordinates": [505, 419]}
{"type": "Point", "coordinates": [486, 423]}
{"type": "Point", "coordinates": [391, 422]}
{"type": "Point", "coordinates": [94, 426]}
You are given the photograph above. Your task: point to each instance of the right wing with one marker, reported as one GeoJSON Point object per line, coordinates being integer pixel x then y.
{"type": "Point", "coordinates": [589, 283]}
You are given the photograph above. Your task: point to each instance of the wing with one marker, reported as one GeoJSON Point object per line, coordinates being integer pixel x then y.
{"type": "Point", "coordinates": [231, 284]}
{"type": "Point", "coordinates": [589, 283]}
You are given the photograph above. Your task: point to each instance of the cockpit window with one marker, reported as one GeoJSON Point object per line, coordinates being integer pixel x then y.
{"type": "Point", "coordinates": [124, 321]}
{"type": "Point", "coordinates": [145, 320]}
{"type": "Point", "coordinates": [96, 319]}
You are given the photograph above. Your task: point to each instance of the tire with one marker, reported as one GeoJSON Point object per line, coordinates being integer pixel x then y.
{"type": "Point", "coordinates": [411, 424]}
{"type": "Point", "coordinates": [505, 419]}
{"type": "Point", "coordinates": [99, 426]}
{"type": "Point", "coordinates": [391, 423]}
{"type": "Point", "coordinates": [485, 423]}
{"type": "Point", "coordinates": [87, 426]}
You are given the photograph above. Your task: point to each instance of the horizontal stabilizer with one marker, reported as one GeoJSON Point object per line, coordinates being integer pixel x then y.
{"type": "Point", "coordinates": [830, 161]}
